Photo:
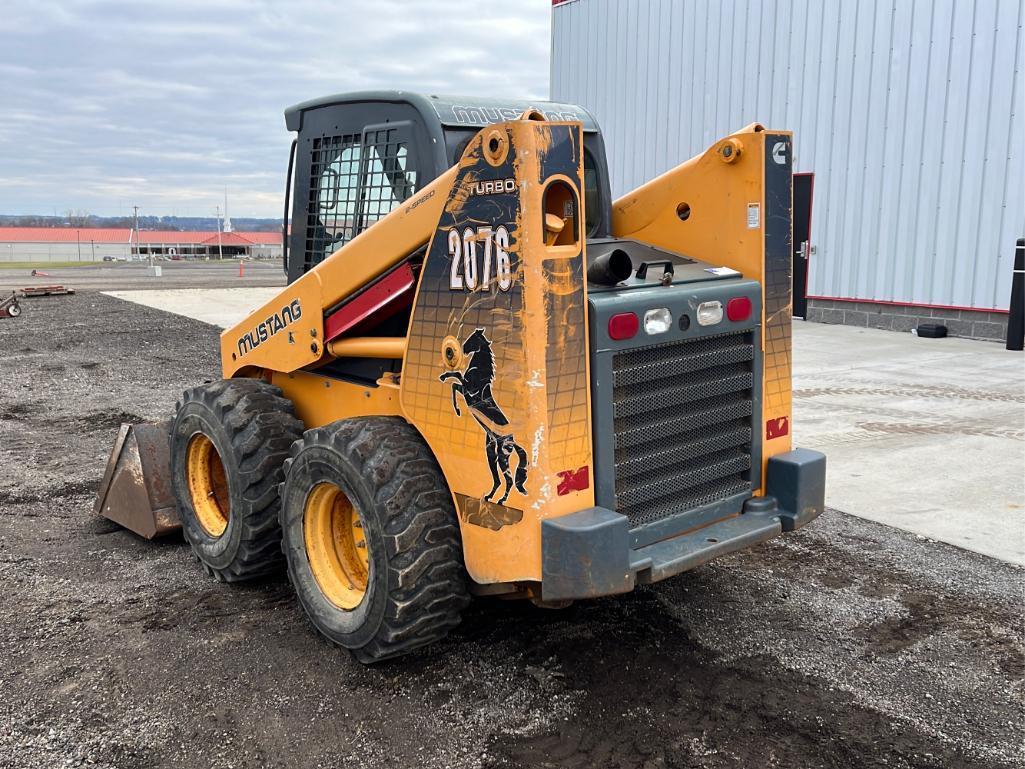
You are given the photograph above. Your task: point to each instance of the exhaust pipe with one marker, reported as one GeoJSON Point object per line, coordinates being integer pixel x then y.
{"type": "Point", "coordinates": [610, 268]}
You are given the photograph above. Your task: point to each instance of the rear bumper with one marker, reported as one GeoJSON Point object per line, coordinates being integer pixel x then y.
{"type": "Point", "coordinates": [588, 554]}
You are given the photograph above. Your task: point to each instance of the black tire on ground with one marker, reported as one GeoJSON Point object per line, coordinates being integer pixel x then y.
{"type": "Point", "coordinates": [14, 310]}
{"type": "Point", "coordinates": [251, 427]}
{"type": "Point", "coordinates": [415, 583]}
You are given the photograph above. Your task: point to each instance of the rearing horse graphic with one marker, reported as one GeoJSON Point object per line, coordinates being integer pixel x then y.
{"type": "Point", "coordinates": [474, 384]}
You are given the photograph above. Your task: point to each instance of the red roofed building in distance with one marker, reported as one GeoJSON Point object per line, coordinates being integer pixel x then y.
{"type": "Point", "coordinates": [82, 244]}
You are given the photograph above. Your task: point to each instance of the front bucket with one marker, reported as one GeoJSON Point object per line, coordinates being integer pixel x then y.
{"type": "Point", "coordinates": [136, 488]}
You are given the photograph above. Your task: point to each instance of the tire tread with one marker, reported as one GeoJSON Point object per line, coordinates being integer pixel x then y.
{"type": "Point", "coordinates": [426, 580]}
{"type": "Point", "coordinates": [262, 426]}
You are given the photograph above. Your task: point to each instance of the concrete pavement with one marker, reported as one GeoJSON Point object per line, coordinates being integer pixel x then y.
{"type": "Point", "coordinates": [927, 435]}
{"type": "Point", "coordinates": [136, 275]}
{"type": "Point", "coordinates": [223, 307]}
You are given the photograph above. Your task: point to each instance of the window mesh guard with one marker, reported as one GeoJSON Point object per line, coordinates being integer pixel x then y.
{"type": "Point", "coordinates": [386, 178]}
{"type": "Point", "coordinates": [354, 182]}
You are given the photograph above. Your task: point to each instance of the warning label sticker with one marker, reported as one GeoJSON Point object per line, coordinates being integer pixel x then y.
{"type": "Point", "coordinates": [754, 216]}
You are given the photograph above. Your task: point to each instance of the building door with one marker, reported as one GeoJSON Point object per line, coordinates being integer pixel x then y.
{"type": "Point", "coordinates": [803, 249]}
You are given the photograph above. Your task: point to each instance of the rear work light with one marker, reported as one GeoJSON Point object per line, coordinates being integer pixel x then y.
{"type": "Point", "coordinates": [738, 308]}
{"type": "Point", "coordinates": [709, 313]}
{"type": "Point", "coordinates": [657, 321]}
{"type": "Point", "coordinates": [623, 325]}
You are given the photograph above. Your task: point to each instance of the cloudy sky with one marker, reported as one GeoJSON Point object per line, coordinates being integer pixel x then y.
{"type": "Point", "coordinates": [163, 103]}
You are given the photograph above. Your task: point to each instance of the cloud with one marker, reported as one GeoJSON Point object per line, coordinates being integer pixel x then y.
{"type": "Point", "coordinates": [164, 104]}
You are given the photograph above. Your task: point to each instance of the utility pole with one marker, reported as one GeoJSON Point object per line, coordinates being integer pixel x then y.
{"type": "Point", "coordinates": [78, 242]}
{"type": "Point", "coordinates": [220, 248]}
{"type": "Point", "coordinates": [93, 244]}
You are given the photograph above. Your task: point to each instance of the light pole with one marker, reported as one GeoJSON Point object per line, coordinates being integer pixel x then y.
{"type": "Point", "coordinates": [93, 244]}
{"type": "Point", "coordinates": [78, 242]}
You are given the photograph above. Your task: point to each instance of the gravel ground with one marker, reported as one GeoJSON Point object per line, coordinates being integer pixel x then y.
{"type": "Point", "coordinates": [848, 644]}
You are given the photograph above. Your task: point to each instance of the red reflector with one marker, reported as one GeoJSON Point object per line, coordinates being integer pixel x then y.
{"type": "Point", "coordinates": [777, 428]}
{"type": "Point", "coordinates": [573, 480]}
{"type": "Point", "coordinates": [623, 325]}
{"type": "Point", "coordinates": [738, 308]}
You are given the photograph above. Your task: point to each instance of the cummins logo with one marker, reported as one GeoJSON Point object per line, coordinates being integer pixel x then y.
{"type": "Point", "coordinates": [779, 153]}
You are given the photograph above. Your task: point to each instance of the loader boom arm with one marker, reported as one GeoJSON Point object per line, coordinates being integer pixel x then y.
{"type": "Point", "coordinates": [287, 333]}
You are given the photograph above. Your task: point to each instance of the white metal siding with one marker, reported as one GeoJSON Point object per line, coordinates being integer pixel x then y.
{"type": "Point", "coordinates": [909, 112]}
{"type": "Point", "coordinates": [17, 251]}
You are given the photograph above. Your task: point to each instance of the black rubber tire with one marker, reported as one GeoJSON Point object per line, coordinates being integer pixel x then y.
{"type": "Point", "coordinates": [416, 587]}
{"type": "Point", "coordinates": [252, 427]}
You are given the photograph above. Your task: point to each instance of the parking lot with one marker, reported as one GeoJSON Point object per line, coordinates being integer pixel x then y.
{"type": "Point", "coordinates": [136, 275]}
{"type": "Point", "coordinates": [849, 643]}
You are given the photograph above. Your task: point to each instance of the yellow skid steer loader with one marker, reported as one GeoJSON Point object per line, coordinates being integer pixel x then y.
{"type": "Point", "coordinates": [485, 376]}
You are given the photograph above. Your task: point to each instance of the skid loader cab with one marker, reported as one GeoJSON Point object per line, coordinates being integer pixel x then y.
{"type": "Point", "coordinates": [359, 155]}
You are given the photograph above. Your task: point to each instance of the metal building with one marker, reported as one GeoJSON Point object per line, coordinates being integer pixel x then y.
{"type": "Point", "coordinates": [908, 113]}
{"type": "Point", "coordinates": [74, 244]}
{"type": "Point", "coordinates": [64, 244]}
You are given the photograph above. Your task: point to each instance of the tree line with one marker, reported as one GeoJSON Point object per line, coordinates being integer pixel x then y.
{"type": "Point", "coordinates": [85, 220]}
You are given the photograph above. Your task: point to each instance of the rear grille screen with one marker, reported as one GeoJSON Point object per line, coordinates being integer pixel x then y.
{"type": "Point", "coordinates": [682, 415]}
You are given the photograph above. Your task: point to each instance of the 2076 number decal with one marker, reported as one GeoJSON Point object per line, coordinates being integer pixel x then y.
{"type": "Point", "coordinates": [483, 267]}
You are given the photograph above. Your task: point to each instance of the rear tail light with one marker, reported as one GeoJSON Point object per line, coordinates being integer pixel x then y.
{"type": "Point", "coordinates": [738, 308]}
{"type": "Point", "coordinates": [623, 325]}
{"type": "Point", "coordinates": [709, 313]}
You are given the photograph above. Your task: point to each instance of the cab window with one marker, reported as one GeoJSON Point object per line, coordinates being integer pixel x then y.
{"type": "Point", "coordinates": [592, 194]}
{"type": "Point", "coordinates": [354, 181]}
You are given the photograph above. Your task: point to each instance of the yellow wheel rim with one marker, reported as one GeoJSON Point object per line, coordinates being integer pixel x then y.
{"type": "Point", "coordinates": [336, 545]}
{"type": "Point", "coordinates": [208, 485]}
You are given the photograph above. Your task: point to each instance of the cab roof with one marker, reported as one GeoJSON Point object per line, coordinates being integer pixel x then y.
{"type": "Point", "coordinates": [449, 111]}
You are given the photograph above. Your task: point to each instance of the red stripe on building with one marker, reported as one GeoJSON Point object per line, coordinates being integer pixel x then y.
{"type": "Point", "coordinates": [907, 304]}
